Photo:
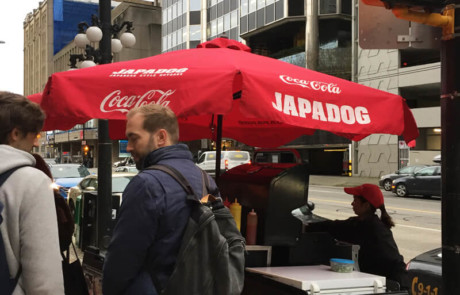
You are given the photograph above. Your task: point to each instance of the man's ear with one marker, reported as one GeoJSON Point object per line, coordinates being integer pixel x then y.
{"type": "Point", "coordinates": [162, 138]}
{"type": "Point", "coordinates": [14, 135]}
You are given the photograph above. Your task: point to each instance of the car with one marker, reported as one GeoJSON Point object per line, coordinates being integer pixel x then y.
{"type": "Point", "coordinates": [229, 160]}
{"type": "Point", "coordinates": [386, 180]}
{"type": "Point", "coordinates": [425, 182]}
{"type": "Point", "coordinates": [425, 273]}
{"type": "Point", "coordinates": [90, 183]}
{"type": "Point", "coordinates": [66, 176]}
{"type": "Point", "coordinates": [132, 169]}
{"type": "Point", "coordinates": [277, 156]}
{"type": "Point", "coordinates": [128, 161]}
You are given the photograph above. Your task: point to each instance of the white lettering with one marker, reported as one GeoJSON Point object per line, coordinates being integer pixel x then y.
{"type": "Point", "coordinates": [289, 106]}
{"type": "Point", "coordinates": [116, 102]}
{"type": "Point", "coordinates": [318, 111]}
{"type": "Point", "coordinates": [333, 113]}
{"type": "Point", "coordinates": [304, 107]}
{"type": "Point", "coordinates": [362, 115]}
{"type": "Point", "coordinates": [278, 105]}
{"type": "Point", "coordinates": [348, 114]}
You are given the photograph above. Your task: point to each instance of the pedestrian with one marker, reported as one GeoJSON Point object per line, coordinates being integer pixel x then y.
{"type": "Point", "coordinates": [154, 212]}
{"type": "Point", "coordinates": [64, 218]}
{"type": "Point", "coordinates": [378, 253]}
{"type": "Point", "coordinates": [29, 227]}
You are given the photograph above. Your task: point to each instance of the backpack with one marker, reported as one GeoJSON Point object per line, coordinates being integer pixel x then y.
{"type": "Point", "coordinates": [212, 253]}
{"type": "Point", "coordinates": [5, 279]}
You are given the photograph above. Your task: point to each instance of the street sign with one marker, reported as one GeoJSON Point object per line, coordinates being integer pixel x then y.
{"type": "Point", "coordinates": [380, 29]}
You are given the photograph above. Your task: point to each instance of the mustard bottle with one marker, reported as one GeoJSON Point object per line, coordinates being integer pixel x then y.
{"type": "Point", "coordinates": [235, 210]}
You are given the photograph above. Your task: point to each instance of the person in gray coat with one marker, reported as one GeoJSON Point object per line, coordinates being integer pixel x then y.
{"type": "Point", "coordinates": [29, 227]}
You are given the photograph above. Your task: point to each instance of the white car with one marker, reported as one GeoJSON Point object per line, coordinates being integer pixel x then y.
{"type": "Point", "coordinates": [89, 183]}
{"type": "Point", "coordinates": [132, 169]}
{"type": "Point", "coordinates": [228, 160]}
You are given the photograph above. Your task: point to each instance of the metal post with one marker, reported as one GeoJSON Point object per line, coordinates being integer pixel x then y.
{"type": "Point", "coordinates": [312, 33]}
{"type": "Point", "coordinates": [450, 159]}
{"type": "Point", "coordinates": [218, 145]}
{"type": "Point", "coordinates": [104, 191]}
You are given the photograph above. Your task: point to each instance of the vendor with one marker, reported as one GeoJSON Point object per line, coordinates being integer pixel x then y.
{"type": "Point", "coordinates": [378, 252]}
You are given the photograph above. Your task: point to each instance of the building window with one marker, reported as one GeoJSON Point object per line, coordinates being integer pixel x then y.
{"type": "Point", "coordinates": [252, 5]}
{"type": "Point", "coordinates": [195, 17]}
{"type": "Point", "coordinates": [244, 7]}
{"type": "Point", "coordinates": [327, 6]}
{"type": "Point", "coordinates": [195, 33]}
{"type": "Point", "coordinates": [234, 19]}
{"type": "Point", "coordinates": [195, 5]}
{"type": "Point", "coordinates": [227, 22]}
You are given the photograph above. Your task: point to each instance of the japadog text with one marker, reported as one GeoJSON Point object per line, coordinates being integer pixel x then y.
{"type": "Point", "coordinates": [301, 107]}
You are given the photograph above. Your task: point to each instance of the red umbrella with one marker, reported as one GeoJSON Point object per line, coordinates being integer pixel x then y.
{"type": "Point", "coordinates": [275, 102]}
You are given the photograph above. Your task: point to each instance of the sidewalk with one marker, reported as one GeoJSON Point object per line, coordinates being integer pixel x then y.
{"type": "Point", "coordinates": [343, 181]}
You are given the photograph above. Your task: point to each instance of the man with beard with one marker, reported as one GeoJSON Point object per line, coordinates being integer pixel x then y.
{"type": "Point", "coordinates": [154, 212]}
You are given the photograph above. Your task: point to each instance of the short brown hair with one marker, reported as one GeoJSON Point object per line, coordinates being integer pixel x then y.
{"type": "Point", "coordinates": [158, 117]}
{"type": "Point", "coordinates": [16, 111]}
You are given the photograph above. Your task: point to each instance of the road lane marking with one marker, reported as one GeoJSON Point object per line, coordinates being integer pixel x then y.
{"type": "Point", "coordinates": [418, 227]}
{"type": "Point", "coordinates": [393, 208]}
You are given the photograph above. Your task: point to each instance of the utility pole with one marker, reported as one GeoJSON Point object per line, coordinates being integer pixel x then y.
{"type": "Point", "coordinates": [104, 176]}
{"type": "Point", "coordinates": [450, 158]}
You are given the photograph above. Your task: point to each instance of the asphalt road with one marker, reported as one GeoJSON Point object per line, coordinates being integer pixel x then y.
{"type": "Point", "coordinates": [418, 220]}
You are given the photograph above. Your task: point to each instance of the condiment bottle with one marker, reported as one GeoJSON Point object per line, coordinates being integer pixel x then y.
{"type": "Point", "coordinates": [226, 203]}
{"type": "Point", "coordinates": [251, 228]}
{"type": "Point", "coordinates": [235, 210]}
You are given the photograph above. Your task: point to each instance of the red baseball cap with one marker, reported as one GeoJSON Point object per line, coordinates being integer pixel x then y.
{"type": "Point", "coordinates": [370, 192]}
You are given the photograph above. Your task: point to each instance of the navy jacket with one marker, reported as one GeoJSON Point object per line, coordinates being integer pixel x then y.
{"type": "Point", "coordinates": [150, 225]}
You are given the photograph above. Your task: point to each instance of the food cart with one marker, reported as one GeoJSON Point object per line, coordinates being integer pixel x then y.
{"type": "Point", "coordinates": [285, 259]}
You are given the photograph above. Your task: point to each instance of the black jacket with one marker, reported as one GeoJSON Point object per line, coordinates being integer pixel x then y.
{"type": "Point", "coordinates": [378, 252]}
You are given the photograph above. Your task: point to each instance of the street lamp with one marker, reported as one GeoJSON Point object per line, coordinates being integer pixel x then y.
{"type": "Point", "coordinates": [88, 35]}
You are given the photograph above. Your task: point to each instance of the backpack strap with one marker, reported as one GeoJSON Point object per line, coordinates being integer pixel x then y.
{"type": "Point", "coordinates": [174, 173]}
{"type": "Point", "coordinates": [5, 279]}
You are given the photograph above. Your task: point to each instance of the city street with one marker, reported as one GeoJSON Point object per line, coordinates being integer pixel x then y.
{"type": "Point", "coordinates": [418, 220]}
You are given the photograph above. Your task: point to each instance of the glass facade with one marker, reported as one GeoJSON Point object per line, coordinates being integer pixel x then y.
{"type": "Point", "coordinates": [222, 18]}
{"type": "Point", "coordinates": [175, 29]}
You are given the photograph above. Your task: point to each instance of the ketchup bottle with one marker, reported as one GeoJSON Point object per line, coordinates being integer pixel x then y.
{"type": "Point", "coordinates": [251, 228]}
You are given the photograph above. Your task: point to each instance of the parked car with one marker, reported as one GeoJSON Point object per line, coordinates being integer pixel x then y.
{"type": "Point", "coordinates": [425, 273]}
{"type": "Point", "coordinates": [128, 161]}
{"type": "Point", "coordinates": [132, 169]}
{"type": "Point", "coordinates": [66, 176]}
{"type": "Point", "coordinates": [90, 183]}
{"type": "Point", "coordinates": [229, 159]}
{"type": "Point", "coordinates": [425, 182]}
{"type": "Point", "coordinates": [386, 180]}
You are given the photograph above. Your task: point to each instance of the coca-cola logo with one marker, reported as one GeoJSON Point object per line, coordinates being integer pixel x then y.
{"type": "Point", "coordinates": [314, 85]}
{"type": "Point", "coordinates": [116, 102]}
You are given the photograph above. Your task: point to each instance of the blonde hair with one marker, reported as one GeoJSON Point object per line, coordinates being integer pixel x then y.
{"type": "Point", "coordinates": [158, 117]}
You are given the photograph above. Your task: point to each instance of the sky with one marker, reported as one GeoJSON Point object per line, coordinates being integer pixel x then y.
{"type": "Point", "coordinates": [12, 15]}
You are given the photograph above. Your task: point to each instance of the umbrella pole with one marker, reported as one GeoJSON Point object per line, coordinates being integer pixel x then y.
{"type": "Point", "coordinates": [218, 145]}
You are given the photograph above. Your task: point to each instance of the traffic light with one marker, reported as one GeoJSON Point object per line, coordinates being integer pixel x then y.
{"type": "Point", "coordinates": [425, 4]}
{"type": "Point", "coordinates": [86, 150]}
{"type": "Point", "coordinates": [422, 11]}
